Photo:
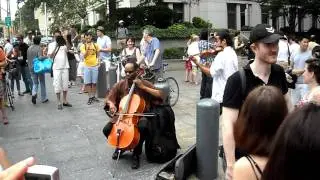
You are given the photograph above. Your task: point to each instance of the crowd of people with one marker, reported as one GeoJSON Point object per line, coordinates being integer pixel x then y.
{"type": "Point", "coordinates": [263, 103]}
{"type": "Point", "coordinates": [269, 108]}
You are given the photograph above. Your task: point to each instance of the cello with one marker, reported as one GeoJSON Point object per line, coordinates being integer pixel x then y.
{"type": "Point", "coordinates": [125, 134]}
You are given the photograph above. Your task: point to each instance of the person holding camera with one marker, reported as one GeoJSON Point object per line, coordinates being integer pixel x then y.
{"type": "Point", "coordinates": [90, 52]}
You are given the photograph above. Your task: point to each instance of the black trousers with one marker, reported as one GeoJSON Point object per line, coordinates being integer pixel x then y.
{"type": "Point", "coordinates": [206, 86]}
{"type": "Point", "coordinates": [143, 129]}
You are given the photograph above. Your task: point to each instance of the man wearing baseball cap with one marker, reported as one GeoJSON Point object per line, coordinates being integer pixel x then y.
{"type": "Point", "coordinates": [121, 35]}
{"type": "Point", "coordinates": [261, 71]}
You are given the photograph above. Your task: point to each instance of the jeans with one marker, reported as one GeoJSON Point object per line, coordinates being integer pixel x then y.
{"type": "Point", "coordinates": [26, 76]}
{"type": "Point", "coordinates": [90, 75]}
{"type": "Point", "coordinates": [36, 78]}
{"type": "Point", "coordinates": [299, 93]}
{"type": "Point", "coordinates": [17, 84]}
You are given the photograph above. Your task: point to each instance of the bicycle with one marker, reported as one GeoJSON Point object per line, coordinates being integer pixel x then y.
{"type": "Point", "coordinates": [8, 92]}
{"type": "Point", "coordinates": [174, 91]}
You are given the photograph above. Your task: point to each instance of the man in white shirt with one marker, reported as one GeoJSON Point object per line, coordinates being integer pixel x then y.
{"type": "Point", "coordinates": [294, 47]}
{"type": "Point", "coordinates": [29, 39]}
{"type": "Point", "coordinates": [104, 43]}
{"type": "Point", "coordinates": [52, 46]}
{"type": "Point", "coordinates": [8, 48]}
{"type": "Point", "coordinates": [283, 52]}
{"type": "Point", "coordinates": [223, 66]}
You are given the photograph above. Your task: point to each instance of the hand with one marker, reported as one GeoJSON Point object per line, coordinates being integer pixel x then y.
{"type": "Point", "coordinates": [150, 65]}
{"type": "Point", "coordinates": [229, 173]}
{"type": "Point", "coordinates": [194, 59]}
{"type": "Point", "coordinates": [18, 170]}
{"type": "Point", "coordinates": [112, 108]}
{"type": "Point", "coordinates": [139, 83]}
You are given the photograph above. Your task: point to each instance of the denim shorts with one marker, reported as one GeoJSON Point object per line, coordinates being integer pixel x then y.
{"type": "Point", "coordinates": [90, 74]}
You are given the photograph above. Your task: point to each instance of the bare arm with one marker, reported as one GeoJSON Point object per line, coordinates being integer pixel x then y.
{"type": "Point", "coordinates": [155, 57]}
{"type": "Point", "coordinates": [203, 68]}
{"type": "Point", "coordinates": [288, 101]}
{"type": "Point", "coordinates": [229, 117]}
{"type": "Point", "coordinates": [138, 55]}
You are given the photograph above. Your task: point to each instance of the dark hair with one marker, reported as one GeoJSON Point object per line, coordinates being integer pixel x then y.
{"type": "Point", "coordinates": [261, 114]}
{"type": "Point", "coordinates": [60, 41]}
{"type": "Point", "coordinates": [295, 150]}
{"type": "Point", "coordinates": [132, 39]}
{"type": "Point", "coordinates": [57, 31]}
{"type": "Point", "coordinates": [316, 52]}
{"type": "Point", "coordinates": [88, 34]}
{"type": "Point", "coordinates": [314, 66]}
{"type": "Point", "coordinates": [204, 34]}
{"type": "Point", "coordinates": [37, 40]}
{"type": "Point", "coordinates": [237, 33]}
{"type": "Point", "coordinates": [225, 35]}
{"type": "Point", "coordinates": [300, 38]}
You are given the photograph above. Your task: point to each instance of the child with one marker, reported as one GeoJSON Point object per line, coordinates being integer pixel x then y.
{"type": "Point", "coordinates": [193, 50]}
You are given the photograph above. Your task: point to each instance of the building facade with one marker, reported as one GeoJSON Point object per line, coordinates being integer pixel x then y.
{"type": "Point", "coordinates": [231, 14]}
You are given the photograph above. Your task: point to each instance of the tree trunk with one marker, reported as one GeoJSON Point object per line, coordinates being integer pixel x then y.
{"type": "Point", "coordinates": [314, 20]}
{"type": "Point", "coordinates": [112, 12]}
{"type": "Point", "coordinates": [292, 18]}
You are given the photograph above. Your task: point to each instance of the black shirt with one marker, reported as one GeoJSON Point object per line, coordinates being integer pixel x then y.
{"type": "Point", "coordinates": [23, 47]}
{"type": "Point", "coordinates": [233, 96]}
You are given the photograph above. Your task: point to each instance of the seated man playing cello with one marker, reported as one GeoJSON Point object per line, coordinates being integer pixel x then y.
{"type": "Point", "coordinates": [144, 89]}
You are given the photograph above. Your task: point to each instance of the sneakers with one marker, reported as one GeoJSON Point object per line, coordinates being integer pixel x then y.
{"type": "Point", "coordinates": [67, 104]}
{"type": "Point", "coordinates": [135, 161]}
{"type": "Point", "coordinates": [34, 99]}
{"type": "Point", "coordinates": [90, 101]}
{"type": "Point", "coordinates": [95, 99]}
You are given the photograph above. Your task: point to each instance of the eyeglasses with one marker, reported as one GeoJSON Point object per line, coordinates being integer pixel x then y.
{"type": "Point", "coordinates": [129, 72]}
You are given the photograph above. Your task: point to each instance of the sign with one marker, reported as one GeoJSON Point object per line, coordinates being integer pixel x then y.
{"type": "Point", "coordinates": [8, 21]}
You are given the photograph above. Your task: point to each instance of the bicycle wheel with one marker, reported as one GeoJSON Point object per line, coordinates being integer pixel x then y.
{"type": "Point", "coordinates": [174, 91]}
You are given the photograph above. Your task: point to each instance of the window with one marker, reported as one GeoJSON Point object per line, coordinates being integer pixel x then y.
{"type": "Point", "coordinates": [232, 16]}
{"type": "Point", "coordinates": [178, 9]}
{"type": "Point", "coordinates": [264, 15]}
{"type": "Point", "coordinates": [243, 8]}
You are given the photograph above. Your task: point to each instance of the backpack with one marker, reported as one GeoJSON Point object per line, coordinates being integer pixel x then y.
{"type": "Point", "coordinates": [161, 146]}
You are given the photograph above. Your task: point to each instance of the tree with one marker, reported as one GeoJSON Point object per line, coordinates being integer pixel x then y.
{"type": "Point", "coordinates": [292, 10]}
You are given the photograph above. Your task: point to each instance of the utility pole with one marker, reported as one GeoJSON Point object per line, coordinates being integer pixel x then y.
{"type": "Point", "coordinates": [46, 21]}
{"type": "Point", "coordinates": [8, 15]}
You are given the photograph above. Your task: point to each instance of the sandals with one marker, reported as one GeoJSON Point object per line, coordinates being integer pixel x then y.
{"type": "Point", "coordinates": [90, 101]}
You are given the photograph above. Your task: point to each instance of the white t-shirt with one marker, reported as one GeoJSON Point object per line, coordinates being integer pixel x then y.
{"type": "Point", "coordinates": [104, 42]}
{"type": "Point", "coordinates": [283, 53]}
{"type": "Point", "coordinates": [294, 49]}
{"type": "Point", "coordinates": [61, 59]}
{"type": "Point", "coordinates": [51, 47]}
{"type": "Point", "coordinates": [223, 66]}
{"type": "Point", "coordinates": [193, 50]}
{"type": "Point", "coordinates": [8, 48]}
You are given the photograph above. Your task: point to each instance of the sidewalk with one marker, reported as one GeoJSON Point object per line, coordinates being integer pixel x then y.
{"type": "Point", "coordinates": [72, 139]}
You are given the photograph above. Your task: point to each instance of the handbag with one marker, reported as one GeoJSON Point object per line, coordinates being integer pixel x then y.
{"type": "Point", "coordinates": [42, 66]}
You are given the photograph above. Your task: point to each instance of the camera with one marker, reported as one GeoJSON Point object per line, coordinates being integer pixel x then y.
{"type": "Point", "coordinates": [42, 172]}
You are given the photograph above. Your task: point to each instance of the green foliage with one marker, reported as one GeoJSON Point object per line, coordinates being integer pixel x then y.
{"type": "Point", "coordinates": [159, 16]}
{"type": "Point", "coordinates": [173, 53]}
{"type": "Point", "coordinates": [200, 23]}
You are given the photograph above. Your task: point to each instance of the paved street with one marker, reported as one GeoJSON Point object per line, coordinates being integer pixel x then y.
{"type": "Point", "coordinates": [72, 139]}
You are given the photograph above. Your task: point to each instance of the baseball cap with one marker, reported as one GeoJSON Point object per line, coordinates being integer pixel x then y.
{"type": "Point", "coordinates": [264, 33]}
{"type": "Point", "coordinates": [100, 28]}
{"type": "Point", "coordinates": [121, 21]}
{"type": "Point", "coordinates": [29, 32]}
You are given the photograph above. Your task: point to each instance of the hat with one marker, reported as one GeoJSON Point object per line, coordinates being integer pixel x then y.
{"type": "Point", "coordinates": [30, 32]}
{"type": "Point", "coordinates": [121, 21]}
{"type": "Point", "coordinates": [263, 33]}
{"type": "Point", "coordinates": [100, 28]}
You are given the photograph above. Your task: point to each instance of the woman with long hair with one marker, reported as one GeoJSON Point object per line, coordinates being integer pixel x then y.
{"type": "Point", "coordinates": [260, 117]}
{"type": "Point", "coordinates": [295, 152]}
{"type": "Point", "coordinates": [61, 72]}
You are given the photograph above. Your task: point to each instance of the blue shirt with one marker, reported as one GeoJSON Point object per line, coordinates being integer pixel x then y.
{"type": "Point", "coordinates": [104, 42]}
{"type": "Point", "coordinates": [299, 61]}
{"type": "Point", "coordinates": [150, 50]}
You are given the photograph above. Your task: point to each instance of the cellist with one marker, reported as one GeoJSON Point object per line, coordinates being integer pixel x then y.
{"type": "Point", "coordinates": [144, 89]}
